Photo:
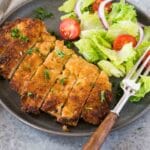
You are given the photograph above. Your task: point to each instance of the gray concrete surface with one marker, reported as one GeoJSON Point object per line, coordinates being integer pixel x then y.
{"type": "Point", "coordinates": [15, 135]}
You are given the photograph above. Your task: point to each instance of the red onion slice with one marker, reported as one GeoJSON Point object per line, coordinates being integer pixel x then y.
{"type": "Point", "coordinates": [141, 31]}
{"type": "Point", "coordinates": [101, 13]}
{"type": "Point", "coordinates": [77, 8]}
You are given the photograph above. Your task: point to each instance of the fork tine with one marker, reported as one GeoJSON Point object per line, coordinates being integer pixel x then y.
{"type": "Point", "coordinates": [147, 71]}
{"type": "Point", "coordinates": [142, 67]}
{"type": "Point", "coordinates": [137, 64]}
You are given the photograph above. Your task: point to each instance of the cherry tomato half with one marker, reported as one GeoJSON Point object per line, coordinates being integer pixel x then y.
{"type": "Point", "coordinates": [96, 4]}
{"type": "Point", "coordinates": [121, 40]}
{"type": "Point", "coordinates": [69, 29]}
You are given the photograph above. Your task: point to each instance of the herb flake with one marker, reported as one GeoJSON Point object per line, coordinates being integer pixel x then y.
{"type": "Point", "coordinates": [29, 94]}
{"type": "Point", "coordinates": [31, 50]}
{"type": "Point", "coordinates": [60, 53]}
{"type": "Point", "coordinates": [46, 74]}
{"type": "Point", "coordinates": [24, 38]}
{"type": "Point", "coordinates": [69, 44]}
{"type": "Point", "coordinates": [15, 33]}
{"type": "Point", "coordinates": [63, 80]}
{"type": "Point", "coordinates": [41, 13]}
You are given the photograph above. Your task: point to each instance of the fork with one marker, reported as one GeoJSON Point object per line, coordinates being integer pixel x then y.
{"type": "Point", "coordinates": [130, 85]}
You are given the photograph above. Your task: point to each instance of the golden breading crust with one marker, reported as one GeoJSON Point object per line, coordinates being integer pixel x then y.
{"type": "Point", "coordinates": [24, 34]}
{"type": "Point", "coordinates": [71, 112]}
{"type": "Point", "coordinates": [97, 108]}
{"type": "Point", "coordinates": [37, 89]}
{"type": "Point", "coordinates": [5, 36]}
{"type": "Point", "coordinates": [60, 91]}
{"type": "Point", "coordinates": [35, 56]}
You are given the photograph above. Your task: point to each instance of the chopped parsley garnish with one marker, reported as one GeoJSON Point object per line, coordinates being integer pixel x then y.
{"type": "Point", "coordinates": [46, 74]}
{"type": "Point", "coordinates": [42, 13]}
{"type": "Point", "coordinates": [15, 33]}
{"type": "Point", "coordinates": [69, 44]}
{"type": "Point", "coordinates": [60, 53]}
{"type": "Point", "coordinates": [102, 96]}
{"type": "Point", "coordinates": [24, 38]}
{"type": "Point", "coordinates": [63, 80]}
{"type": "Point", "coordinates": [29, 51]}
{"type": "Point", "coordinates": [29, 94]}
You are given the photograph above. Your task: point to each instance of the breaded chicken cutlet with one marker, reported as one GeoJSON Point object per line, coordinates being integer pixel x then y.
{"type": "Point", "coordinates": [34, 58]}
{"type": "Point", "coordinates": [50, 77]}
{"type": "Point", "coordinates": [44, 78]}
{"type": "Point", "coordinates": [17, 38]}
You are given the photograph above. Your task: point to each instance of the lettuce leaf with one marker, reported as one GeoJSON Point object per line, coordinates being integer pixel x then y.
{"type": "Point", "coordinates": [145, 88]}
{"type": "Point", "coordinates": [68, 6]}
{"type": "Point", "coordinates": [126, 53]}
{"type": "Point", "coordinates": [88, 50]}
{"type": "Point", "coordinates": [86, 4]}
{"type": "Point", "coordinates": [110, 69]}
{"type": "Point", "coordinates": [141, 49]}
{"type": "Point", "coordinates": [122, 12]}
{"type": "Point", "coordinates": [122, 27]}
{"type": "Point", "coordinates": [97, 35]}
{"type": "Point", "coordinates": [146, 34]}
{"type": "Point", "coordinates": [69, 15]}
{"type": "Point", "coordinates": [90, 21]}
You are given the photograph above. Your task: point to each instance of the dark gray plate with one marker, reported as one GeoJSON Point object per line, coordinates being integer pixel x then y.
{"type": "Point", "coordinates": [11, 101]}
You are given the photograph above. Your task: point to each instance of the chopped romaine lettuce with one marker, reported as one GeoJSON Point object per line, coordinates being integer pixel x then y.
{"type": "Point", "coordinates": [68, 6]}
{"type": "Point", "coordinates": [126, 53]}
{"type": "Point", "coordinates": [145, 88]}
{"type": "Point", "coordinates": [98, 35]}
{"type": "Point", "coordinates": [86, 4]}
{"type": "Point", "coordinates": [91, 32]}
{"type": "Point", "coordinates": [122, 11]}
{"type": "Point", "coordinates": [90, 21]}
{"type": "Point", "coordinates": [141, 49]}
{"type": "Point", "coordinates": [128, 65]}
{"type": "Point", "coordinates": [88, 50]}
{"type": "Point", "coordinates": [123, 27]}
{"type": "Point", "coordinates": [146, 34]}
{"type": "Point", "coordinates": [69, 15]}
{"type": "Point", "coordinates": [110, 69]}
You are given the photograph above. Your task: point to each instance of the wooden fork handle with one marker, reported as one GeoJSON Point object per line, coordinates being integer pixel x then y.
{"type": "Point", "coordinates": [99, 136]}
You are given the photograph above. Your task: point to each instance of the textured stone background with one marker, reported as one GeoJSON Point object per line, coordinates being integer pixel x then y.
{"type": "Point", "coordinates": [15, 135]}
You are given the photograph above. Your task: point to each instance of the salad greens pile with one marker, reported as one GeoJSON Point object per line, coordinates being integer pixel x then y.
{"type": "Point", "coordinates": [95, 42]}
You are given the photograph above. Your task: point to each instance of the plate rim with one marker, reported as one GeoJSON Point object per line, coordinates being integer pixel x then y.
{"type": "Point", "coordinates": [71, 134]}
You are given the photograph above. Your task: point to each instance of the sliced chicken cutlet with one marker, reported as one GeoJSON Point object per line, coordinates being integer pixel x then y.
{"type": "Point", "coordinates": [60, 91]}
{"type": "Point", "coordinates": [71, 112]}
{"type": "Point", "coordinates": [37, 89]}
{"type": "Point", "coordinates": [24, 34]}
{"type": "Point", "coordinates": [5, 35]}
{"type": "Point", "coordinates": [35, 56]}
{"type": "Point", "coordinates": [97, 105]}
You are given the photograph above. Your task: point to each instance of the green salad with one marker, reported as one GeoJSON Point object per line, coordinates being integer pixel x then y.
{"type": "Point", "coordinates": [108, 34]}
